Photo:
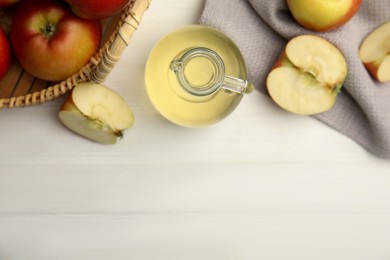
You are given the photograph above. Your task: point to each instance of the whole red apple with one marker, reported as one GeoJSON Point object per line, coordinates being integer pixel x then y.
{"type": "Point", "coordinates": [97, 9]}
{"type": "Point", "coordinates": [4, 3]}
{"type": "Point", "coordinates": [324, 15]}
{"type": "Point", "coordinates": [5, 53]}
{"type": "Point", "coordinates": [51, 42]}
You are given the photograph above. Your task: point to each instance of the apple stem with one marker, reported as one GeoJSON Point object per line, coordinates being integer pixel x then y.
{"type": "Point", "coordinates": [48, 30]}
{"type": "Point", "coordinates": [119, 134]}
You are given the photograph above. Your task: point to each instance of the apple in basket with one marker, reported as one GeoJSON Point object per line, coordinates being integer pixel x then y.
{"type": "Point", "coordinates": [96, 9]}
{"type": "Point", "coordinates": [323, 15]}
{"type": "Point", "coordinates": [96, 112]}
{"type": "Point", "coordinates": [374, 52]}
{"type": "Point", "coordinates": [51, 42]}
{"type": "Point", "coordinates": [308, 76]}
{"type": "Point", "coordinates": [4, 3]}
{"type": "Point", "coordinates": [5, 54]}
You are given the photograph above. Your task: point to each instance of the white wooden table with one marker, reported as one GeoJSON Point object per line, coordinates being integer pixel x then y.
{"type": "Point", "coordinates": [262, 184]}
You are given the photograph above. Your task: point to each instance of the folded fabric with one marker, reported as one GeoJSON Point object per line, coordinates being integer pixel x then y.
{"type": "Point", "coordinates": [261, 29]}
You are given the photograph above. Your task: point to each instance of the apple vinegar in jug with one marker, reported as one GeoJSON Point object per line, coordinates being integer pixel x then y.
{"type": "Point", "coordinates": [182, 71]}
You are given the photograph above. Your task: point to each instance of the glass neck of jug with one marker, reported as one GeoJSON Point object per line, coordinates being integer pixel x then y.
{"type": "Point", "coordinates": [201, 72]}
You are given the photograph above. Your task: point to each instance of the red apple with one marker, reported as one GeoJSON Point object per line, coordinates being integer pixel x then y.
{"type": "Point", "coordinates": [50, 42]}
{"type": "Point", "coordinates": [4, 3]}
{"type": "Point", "coordinates": [97, 9]}
{"type": "Point", "coordinates": [324, 15]}
{"type": "Point", "coordinates": [5, 53]}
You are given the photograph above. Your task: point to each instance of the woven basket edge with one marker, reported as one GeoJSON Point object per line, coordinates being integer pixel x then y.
{"type": "Point", "coordinates": [133, 12]}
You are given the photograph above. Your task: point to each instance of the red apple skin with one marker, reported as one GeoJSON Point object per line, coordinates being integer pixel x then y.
{"type": "Point", "coordinates": [5, 54]}
{"type": "Point", "coordinates": [282, 61]}
{"type": "Point", "coordinates": [96, 9]}
{"type": "Point", "coordinates": [5, 3]}
{"type": "Point", "coordinates": [354, 8]}
{"type": "Point", "coordinates": [50, 42]}
{"type": "Point", "coordinates": [373, 67]}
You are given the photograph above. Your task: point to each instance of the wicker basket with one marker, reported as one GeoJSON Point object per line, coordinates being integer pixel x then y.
{"type": "Point", "coordinates": [18, 88]}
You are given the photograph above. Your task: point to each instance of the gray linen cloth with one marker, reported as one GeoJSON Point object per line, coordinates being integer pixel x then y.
{"type": "Point", "coordinates": [261, 29]}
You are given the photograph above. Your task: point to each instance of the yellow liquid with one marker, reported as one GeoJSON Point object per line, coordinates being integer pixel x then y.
{"type": "Point", "coordinates": [171, 99]}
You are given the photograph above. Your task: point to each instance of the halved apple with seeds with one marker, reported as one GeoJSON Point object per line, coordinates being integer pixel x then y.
{"type": "Point", "coordinates": [308, 76]}
{"type": "Point", "coordinates": [374, 52]}
{"type": "Point", "coordinates": [96, 112]}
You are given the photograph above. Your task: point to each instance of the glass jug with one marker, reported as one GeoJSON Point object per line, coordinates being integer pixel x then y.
{"type": "Point", "coordinates": [196, 76]}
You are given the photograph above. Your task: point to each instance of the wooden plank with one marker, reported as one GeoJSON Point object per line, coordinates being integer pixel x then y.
{"type": "Point", "coordinates": [193, 187]}
{"type": "Point", "coordinates": [195, 236]}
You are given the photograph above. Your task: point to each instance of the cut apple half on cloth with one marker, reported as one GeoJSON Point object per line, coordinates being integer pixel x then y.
{"type": "Point", "coordinates": [308, 76]}
{"type": "Point", "coordinates": [374, 52]}
{"type": "Point", "coordinates": [96, 112]}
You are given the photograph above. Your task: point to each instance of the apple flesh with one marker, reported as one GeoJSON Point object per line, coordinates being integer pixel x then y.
{"type": "Point", "coordinates": [96, 9]}
{"type": "Point", "coordinates": [5, 54]}
{"type": "Point", "coordinates": [374, 52]}
{"type": "Point", "coordinates": [50, 42]}
{"type": "Point", "coordinates": [308, 76]}
{"type": "Point", "coordinates": [324, 15]}
{"type": "Point", "coordinates": [96, 112]}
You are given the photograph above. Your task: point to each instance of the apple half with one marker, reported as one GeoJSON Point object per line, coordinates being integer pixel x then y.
{"type": "Point", "coordinates": [308, 76]}
{"type": "Point", "coordinates": [374, 52]}
{"type": "Point", "coordinates": [96, 112]}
